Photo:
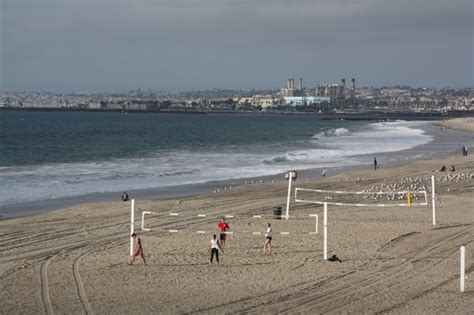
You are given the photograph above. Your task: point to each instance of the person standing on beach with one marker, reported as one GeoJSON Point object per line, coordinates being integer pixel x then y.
{"type": "Point", "coordinates": [214, 247]}
{"type": "Point", "coordinates": [375, 163]}
{"type": "Point", "coordinates": [138, 249]}
{"type": "Point", "coordinates": [268, 240]}
{"type": "Point", "coordinates": [223, 227]}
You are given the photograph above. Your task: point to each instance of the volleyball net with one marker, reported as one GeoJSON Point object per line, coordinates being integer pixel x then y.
{"type": "Point", "coordinates": [239, 224]}
{"type": "Point", "coordinates": [403, 198]}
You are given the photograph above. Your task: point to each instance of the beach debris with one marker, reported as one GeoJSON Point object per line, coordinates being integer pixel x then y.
{"type": "Point", "coordinates": [334, 258]}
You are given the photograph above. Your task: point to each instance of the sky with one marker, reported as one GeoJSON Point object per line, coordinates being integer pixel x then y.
{"type": "Point", "coordinates": [118, 45]}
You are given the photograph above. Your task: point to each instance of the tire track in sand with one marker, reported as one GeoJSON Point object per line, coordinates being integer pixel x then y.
{"type": "Point", "coordinates": [79, 285]}
{"type": "Point", "coordinates": [45, 286]}
{"type": "Point", "coordinates": [372, 283]}
{"type": "Point", "coordinates": [383, 279]}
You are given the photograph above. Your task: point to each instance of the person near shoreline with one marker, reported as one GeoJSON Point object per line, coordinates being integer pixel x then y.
{"type": "Point", "coordinates": [138, 249]}
{"type": "Point", "coordinates": [268, 240]}
{"type": "Point", "coordinates": [223, 227]}
{"type": "Point", "coordinates": [214, 247]}
{"type": "Point", "coordinates": [124, 196]}
{"type": "Point", "coordinates": [375, 163]}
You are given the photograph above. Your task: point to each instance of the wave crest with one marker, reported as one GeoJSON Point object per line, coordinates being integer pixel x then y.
{"type": "Point", "coordinates": [337, 132]}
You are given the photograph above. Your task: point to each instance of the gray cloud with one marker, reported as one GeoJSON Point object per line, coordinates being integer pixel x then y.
{"type": "Point", "coordinates": [114, 45]}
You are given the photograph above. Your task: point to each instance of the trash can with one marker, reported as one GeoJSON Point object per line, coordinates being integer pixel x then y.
{"type": "Point", "coordinates": [277, 213]}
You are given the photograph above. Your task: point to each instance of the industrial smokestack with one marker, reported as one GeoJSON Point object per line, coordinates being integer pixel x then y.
{"type": "Point", "coordinates": [300, 87]}
{"type": "Point", "coordinates": [353, 84]}
{"type": "Point", "coordinates": [288, 84]}
{"type": "Point", "coordinates": [292, 83]}
{"type": "Point", "coordinates": [343, 82]}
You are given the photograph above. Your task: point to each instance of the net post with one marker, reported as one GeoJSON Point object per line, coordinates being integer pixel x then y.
{"type": "Point", "coordinates": [433, 199]}
{"type": "Point", "coordinates": [289, 195]}
{"type": "Point", "coordinates": [325, 231]}
{"type": "Point", "coordinates": [463, 268]}
{"type": "Point", "coordinates": [132, 225]}
{"type": "Point", "coordinates": [143, 220]}
{"type": "Point", "coordinates": [317, 219]}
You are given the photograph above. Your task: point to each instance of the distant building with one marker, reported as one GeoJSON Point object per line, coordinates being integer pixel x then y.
{"type": "Point", "coordinates": [304, 100]}
{"type": "Point", "coordinates": [244, 100]}
{"type": "Point", "coordinates": [291, 90]}
{"type": "Point", "coordinates": [336, 93]}
{"type": "Point", "coordinates": [263, 100]}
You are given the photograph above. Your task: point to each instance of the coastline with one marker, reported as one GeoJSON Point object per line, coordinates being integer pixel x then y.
{"type": "Point", "coordinates": [446, 142]}
{"type": "Point", "coordinates": [373, 115]}
{"type": "Point", "coordinates": [389, 251]}
{"type": "Point", "coordinates": [466, 124]}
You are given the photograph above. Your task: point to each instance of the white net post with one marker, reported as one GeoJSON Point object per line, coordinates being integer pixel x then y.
{"type": "Point", "coordinates": [433, 199]}
{"type": "Point", "coordinates": [290, 175]}
{"type": "Point", "coordinates": [396, 203]}
{"type": "Point", "coordinates": [463, 268]}
{"type": "Point", "coordinates": [316, 223]}
{"type": "Point", "coordinates": [143, 220]}
{"type": "Point", "coordinates": [132, 225]}
{"type": "Point", "coordinates": [325, 231]}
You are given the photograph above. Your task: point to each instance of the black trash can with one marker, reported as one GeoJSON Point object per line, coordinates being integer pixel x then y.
{"type": "Point", "coordinates": [277, 213]}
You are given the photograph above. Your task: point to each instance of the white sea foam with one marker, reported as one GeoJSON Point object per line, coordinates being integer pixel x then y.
{"type": "Point", "coordinates": [338, 132]}
{"type": "Point", "coordinates": [332, 148]}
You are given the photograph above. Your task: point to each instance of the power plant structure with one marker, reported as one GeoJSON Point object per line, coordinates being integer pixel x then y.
{"type": "Point", "coordinates": [339, 95]}
{"type": "Point", "coordinates": [353, 89]}
{"type": "Point", "coordinates": [353, 81]}
{"type": "Point", "coordinates": [291, 90]}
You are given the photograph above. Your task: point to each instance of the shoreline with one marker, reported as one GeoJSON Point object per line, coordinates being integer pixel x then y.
{"type": "Point", "coordinates": [465, 124]}
{"type": "Point", "coordinates": [374, 115]}
{"type": "Point", "coordinates": [79, 255]}
{"type": "Point", "coordinates": [435, 149]}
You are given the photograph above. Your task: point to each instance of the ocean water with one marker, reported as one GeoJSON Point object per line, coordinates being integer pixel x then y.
{"type": "Point", "coordinates": [47, 155]}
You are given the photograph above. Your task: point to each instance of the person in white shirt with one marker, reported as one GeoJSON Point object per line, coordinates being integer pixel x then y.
{"type": "Point", "coordinates": [214, 247]}
{"type": "Point", "coordinates": [268, 240]}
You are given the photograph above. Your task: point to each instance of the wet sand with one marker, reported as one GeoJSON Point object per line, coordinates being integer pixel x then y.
{"type": "Point", "coordinates": [466, 124]}
{"type": "Point", "coordinates": [444, 142]}
{"type": "Point", "coordinates": [393, 259]}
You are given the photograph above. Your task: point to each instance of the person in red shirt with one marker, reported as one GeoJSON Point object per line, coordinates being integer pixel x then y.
{"type": "Point", "coordinates": [223, 227]}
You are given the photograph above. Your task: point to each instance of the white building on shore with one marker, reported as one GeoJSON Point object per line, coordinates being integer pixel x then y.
{"type": "Point", "coordinates": [304, 100]}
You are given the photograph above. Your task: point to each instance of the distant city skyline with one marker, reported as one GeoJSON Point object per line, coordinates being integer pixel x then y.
{"type": "Point", "coordinates": [105, 45]}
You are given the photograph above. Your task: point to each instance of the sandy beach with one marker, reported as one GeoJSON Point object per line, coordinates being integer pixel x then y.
{"type": "Point", "coordinates": [393, 259]}
{"type": "Point", "coordinates": [466, 124]}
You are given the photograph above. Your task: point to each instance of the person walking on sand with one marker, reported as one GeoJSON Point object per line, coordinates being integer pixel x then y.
{"type": "Point", "coordinates": [223, 227]}
{"type": "Point", "coordinates": [375, 163]}
{"type": "Point", "coordinates": [138, 249]}
{"type": "Point", "coordinates": [214, 247]}
{"type": "Point", "coordinates": [268, 240]}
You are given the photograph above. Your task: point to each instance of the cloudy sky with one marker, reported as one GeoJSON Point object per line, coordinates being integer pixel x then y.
{"type": "Point", "coordinates": [115, 45]}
